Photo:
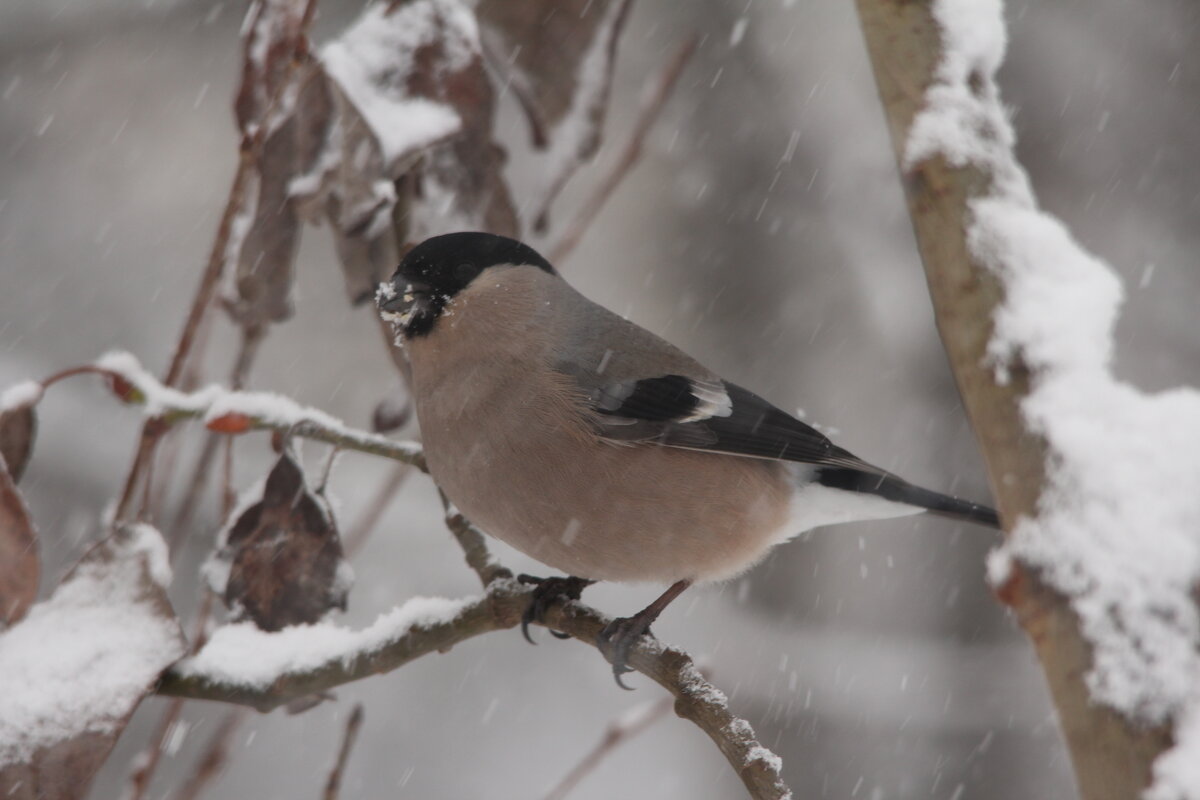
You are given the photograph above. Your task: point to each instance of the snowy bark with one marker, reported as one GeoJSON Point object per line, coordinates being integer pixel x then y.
{"type": "Point", "coordinates": [1113, 750]}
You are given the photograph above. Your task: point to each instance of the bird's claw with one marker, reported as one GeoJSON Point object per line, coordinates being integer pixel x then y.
{"type": "Point", "coordinates": [547, 592]}
{"type": "Point", "coordinates": [616, 641]}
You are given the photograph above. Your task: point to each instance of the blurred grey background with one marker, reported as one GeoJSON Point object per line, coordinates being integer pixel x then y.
{"type": "Point", "coordinates": [765, 233]}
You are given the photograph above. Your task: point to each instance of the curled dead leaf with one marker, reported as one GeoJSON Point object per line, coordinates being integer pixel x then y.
{"type": "Point", "coordinates": [18, 428]}
{"type": "Point", "coordinates": [283, 555]}
{"type": "Point", "coordinates": [19, 564]}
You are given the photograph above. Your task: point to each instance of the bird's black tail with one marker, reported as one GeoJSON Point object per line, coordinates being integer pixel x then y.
{"type": "Point", "coordinates": [889, 487]}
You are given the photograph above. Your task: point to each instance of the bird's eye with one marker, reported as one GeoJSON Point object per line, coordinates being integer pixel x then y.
{"type": "Point", "coordinates": [464, 271]}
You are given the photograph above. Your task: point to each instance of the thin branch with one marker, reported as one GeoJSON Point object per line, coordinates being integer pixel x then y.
{"type": "Point", "coordinates": [141, 777]}
{"type": "Point", "coordinates": [238, 412]}
{"type": "Point", "coordinates": [500, 608]}
{"type": "Point", "coordinates": [334, 784]}
{"type": "Point", "coordinates": [191, 500]}
{"type": "Point", "coordinates": [147, 763]}
{"type": "Point", "coordinates": [143, 455]}
{"type": "Point", "coordinates": [627, 726]}
{"type": "Point", "coordinates": [358, 535]}
{"type": "Point", "coordinates": [652, 105]}
{"type": "Point", "coordinates": [215, 754]}
{"type": "Point", "coordinates": [474, 546]}
{"type": "Point", "coordinates": [248, 349]}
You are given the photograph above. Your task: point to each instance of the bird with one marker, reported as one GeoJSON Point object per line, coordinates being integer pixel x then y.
{"type": "Point", "coordinates": [600, 449]}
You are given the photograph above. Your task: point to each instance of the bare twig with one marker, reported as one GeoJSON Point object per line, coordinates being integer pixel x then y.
{"type": "Point", "coordinates": [204, 295]}
{"type": "Point", "coordinates": [215, 754]}
{"type": "Point", "coordinates": [627, 726]}
{"type": "Point", "coordinates": [334, 784]}
{"type": "Point", "coordinates": [470, 538]}
{"type": "Point", "coordinates": [140, 778]}
{"type": "Point", "coordinates": [248, 349]}
{"type": "Point", "coordinates": [501, 607]}
{"type": "Point", "coordinates": [651, 106]}
{"type": "Point", "coordinates": [143, 456]}
{"type": "Point", "coordinates": [238, 412]}
{"type": "Point", "coordinates": [196, 485]}
{"type": "Point", "coordinates": [358, 535]}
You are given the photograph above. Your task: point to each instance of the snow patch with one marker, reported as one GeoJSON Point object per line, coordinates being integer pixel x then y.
{"type": "Point", "coordinates": [244, 655]}
{"type": "Point", "coordinates": [379, 47]}
{"type": "Point", "coordinates": [82, 660]}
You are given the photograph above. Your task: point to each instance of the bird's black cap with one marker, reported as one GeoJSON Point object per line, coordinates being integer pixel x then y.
{"type": "Point", "coordinates": [442, 266]}
{"type": "Point", "coordinates": [446, 264]}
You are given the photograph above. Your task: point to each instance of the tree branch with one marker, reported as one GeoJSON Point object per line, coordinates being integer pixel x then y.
{"type": "Point", "coordinates": [334, 784]}
{"type": "Point", "coordinates": [1111, 755]}
{"type": "Point", "coordinates": [499, 608]}
{"type": "Point", "coordinates": [233, 412]}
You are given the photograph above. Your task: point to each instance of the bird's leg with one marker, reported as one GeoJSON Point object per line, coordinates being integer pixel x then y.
{"type": "Point", "coordinates": [548, 591]}
{"type": "Point", "coordinates": [618, 636]}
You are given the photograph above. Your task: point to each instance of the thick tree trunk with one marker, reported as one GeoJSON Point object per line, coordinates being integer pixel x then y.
{"type": "Point", "coordinates": [1112, 757]}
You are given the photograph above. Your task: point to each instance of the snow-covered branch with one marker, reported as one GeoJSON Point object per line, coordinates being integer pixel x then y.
{"type": "Point", "coordinates": [1103, 555]}
{"type": "Point", "coordinates": [242, 664]}
{"type": "Point", "coordinates": [226, 411]}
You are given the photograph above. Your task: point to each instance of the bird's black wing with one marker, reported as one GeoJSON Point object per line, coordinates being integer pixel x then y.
{"type": "Point", "coordinates": [720, 417]}
{"type": "Point", "coordinates": [712, 415]}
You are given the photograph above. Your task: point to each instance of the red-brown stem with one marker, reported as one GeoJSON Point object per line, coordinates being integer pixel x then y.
{"type": "Point", "coordinates": [613, 737]}
{"type": "Point", "coordinates": [358, 535]}
{"type": "Point", "coordinates": [334, 784]}
{"type": "Point", "coordinates": [214, 757]}
{"type": "Point", "coordinates": [140, 778]}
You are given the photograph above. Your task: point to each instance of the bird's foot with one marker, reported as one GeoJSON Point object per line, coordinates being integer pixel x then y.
{"type": "Point", "coordinates": [548, 591]}
{"type": "Point", "coordinates": [616, 641]}
{"type": "Point", "coordinates": [617, 638]}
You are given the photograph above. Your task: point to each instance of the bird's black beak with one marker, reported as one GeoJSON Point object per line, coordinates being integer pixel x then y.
{"type": "Point", "coordinates": [398, 296]}
{"type": "Point", "coordinates": [410, 305]}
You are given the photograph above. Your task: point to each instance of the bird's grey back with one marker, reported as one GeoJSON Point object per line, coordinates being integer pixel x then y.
{"type": "Point", "coordinates": [599, 348]}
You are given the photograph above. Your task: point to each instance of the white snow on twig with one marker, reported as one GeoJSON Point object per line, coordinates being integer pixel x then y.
{"type": "Point", "coordinates": [242, 654]}
{"type": "Point", "coordinates": [265, 408]}
{"type": "Point", "coordinates": [373, 60]}
{"type": "Point", "coordinates": [81, 661]}
{"type": "Point", "coordinates": [20, 395]}
{"type": "Point", "coordinates": [1118, 526]}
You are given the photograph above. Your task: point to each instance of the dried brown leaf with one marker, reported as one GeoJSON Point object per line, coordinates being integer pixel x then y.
{"type": "Point", "coordinates": [461, 182]}
{"type": "Point", "coordinates": [274, 36]}
{"type": "Point", "coordinates": [83, 661]}
{"type": "Point", "coordinates": [415, 155]}
{"type": "Point", "coordinates": [284, 554]}
{"type": "Point", "coordinates": [19, 565]}
{"type": "Point", "coordinates": [275, 69]}
{"type": "Point", "coordinates": [267, 257]}
{"type": "Point", "coordinates": [18, 427]}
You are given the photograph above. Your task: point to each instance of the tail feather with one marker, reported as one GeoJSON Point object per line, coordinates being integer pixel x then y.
{"type": "Point", "coordinates": [898, 490]}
